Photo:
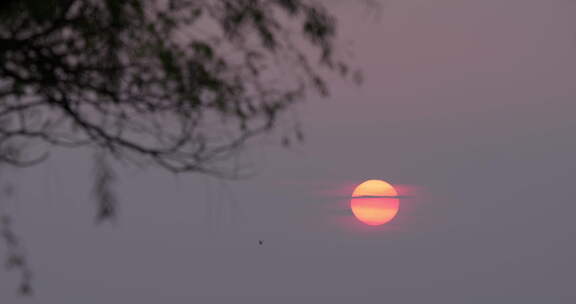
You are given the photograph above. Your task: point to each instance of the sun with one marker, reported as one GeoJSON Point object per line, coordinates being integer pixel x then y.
{"type": "Point", "coordinates": [375, 202]}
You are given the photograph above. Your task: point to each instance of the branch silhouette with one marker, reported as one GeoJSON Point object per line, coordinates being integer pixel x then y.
{"type": "Point", "coordinates": [183, 84]}
{"type": "Point", "coordinates": [178, 84]}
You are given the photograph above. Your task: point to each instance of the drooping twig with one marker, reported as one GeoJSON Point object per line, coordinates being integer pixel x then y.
{"type": "Point", "coordinates": [104, 177]}
{"type": "Point", "coordinates": [15, 259]}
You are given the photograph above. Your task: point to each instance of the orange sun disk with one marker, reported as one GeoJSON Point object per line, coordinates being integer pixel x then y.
{"type": "Point", "coordinates": [374, 202]}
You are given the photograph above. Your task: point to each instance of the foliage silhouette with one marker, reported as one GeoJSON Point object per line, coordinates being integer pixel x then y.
{"type": "Point", "coordinates": [179, 84]}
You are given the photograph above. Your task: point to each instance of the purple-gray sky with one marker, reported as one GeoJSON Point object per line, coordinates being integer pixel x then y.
{"type": "Point", "coordinates": [473, 102]}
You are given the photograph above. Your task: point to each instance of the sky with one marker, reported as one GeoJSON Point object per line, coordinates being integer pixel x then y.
{"type": "Point", "coordinates": [467, 105]}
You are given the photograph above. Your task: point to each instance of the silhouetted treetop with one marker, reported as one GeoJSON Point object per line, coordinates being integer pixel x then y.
{"type": "Point", "coordinates": [180, 83]}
